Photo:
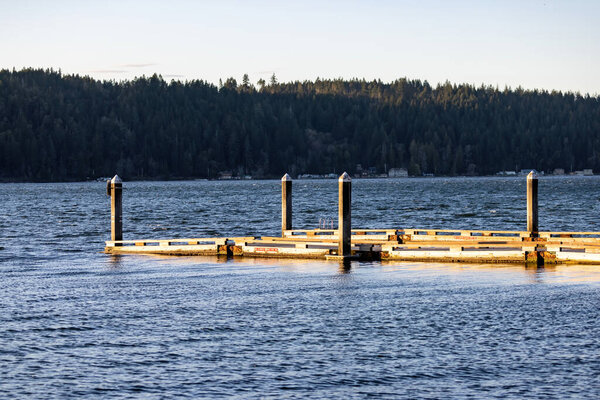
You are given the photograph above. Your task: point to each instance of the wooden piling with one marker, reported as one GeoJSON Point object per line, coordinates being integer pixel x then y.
{"type": "Point", "coordinates": [344, 215]}
{"type": "Point", "coordinates": [286, 204]}
{"type": "Point", "coordinates": [532, 204]}
{"type": "Point", "coordinates": [116, 208]}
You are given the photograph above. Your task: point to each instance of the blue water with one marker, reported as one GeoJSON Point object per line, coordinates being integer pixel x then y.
{"type": "Point", "coordinates": [76, 322]}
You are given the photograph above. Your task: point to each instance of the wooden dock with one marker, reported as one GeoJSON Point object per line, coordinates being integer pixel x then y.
{"type": "Point", "coordinates": [530, 246]}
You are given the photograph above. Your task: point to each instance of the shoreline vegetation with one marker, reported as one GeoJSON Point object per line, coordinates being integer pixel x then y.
{"type": "Point", "coordinates": [56, 127]}
{"type": "Point", "coordinates": [324, 177]}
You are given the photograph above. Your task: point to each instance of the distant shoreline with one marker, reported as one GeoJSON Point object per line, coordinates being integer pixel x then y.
{"type": "Point", "coordinates": [160, 179]}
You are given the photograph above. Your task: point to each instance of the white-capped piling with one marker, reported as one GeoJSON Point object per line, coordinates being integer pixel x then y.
{"type": "Point", "coordinates": [344, 215]}
{"type": "Point", "coordinates": [286, 203]}
{"type": "Point", "coordinates": [532, 204]}
{"type": "Point", "coordinates": [114, 189]}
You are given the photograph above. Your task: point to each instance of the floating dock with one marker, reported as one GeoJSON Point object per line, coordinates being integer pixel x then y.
{"type": "Point", "coordinates": [530, 246]}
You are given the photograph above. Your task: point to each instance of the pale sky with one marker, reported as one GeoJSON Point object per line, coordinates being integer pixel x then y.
{"type": "Point", "coordinates": [544, 44]}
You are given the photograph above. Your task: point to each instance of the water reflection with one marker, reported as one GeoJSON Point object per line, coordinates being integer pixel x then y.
{"type": "Point", "coordinates": [515, 273]}
{"type": "Point", "coordinates": [345, 267]}
{"type": "Point", "coordinates": [116, 261]}
{"type": "Point", "coordinates": [549, 274]}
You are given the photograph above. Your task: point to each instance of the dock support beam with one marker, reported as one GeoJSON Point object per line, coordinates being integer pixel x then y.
{"type": "Point", "coordinates": [114, 189]}
{"type": "Point", "coordinates": [286, 203]}
{"type": "Point", "coordinates": [532, 204]}
{"type": "Point", "coordinates": [344, 215]}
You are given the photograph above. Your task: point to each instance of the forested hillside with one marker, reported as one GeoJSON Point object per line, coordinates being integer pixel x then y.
{"type": "Point", "coordinates": [61, 127]}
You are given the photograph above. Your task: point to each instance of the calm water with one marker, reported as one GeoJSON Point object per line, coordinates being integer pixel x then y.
{"type": "Point", "coordinates": [76, 322]}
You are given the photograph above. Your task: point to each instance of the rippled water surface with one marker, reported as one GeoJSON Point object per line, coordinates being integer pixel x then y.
{"type": "Point", "coordinates": [76, 322]}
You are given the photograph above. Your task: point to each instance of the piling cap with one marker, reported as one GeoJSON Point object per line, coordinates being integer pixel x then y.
{"type": "Point", "coordinates": [116, 179]}
{"type": "Point", "coordinates": [345, 177]}
{"type": "Point", "coordinates": [286, 177]}
{"type": "Point", "coordinates": [532, 175]}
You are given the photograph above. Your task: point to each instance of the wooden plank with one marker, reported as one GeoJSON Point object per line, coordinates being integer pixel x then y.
{"type": "Point", "coordinates": [577, 257]}
{"type": "Point", "coordinates": [454, 256]}
{"type": "Point", "coordinates": [296, 233]}
{"type": "Point", "coordinates": [172, 250]}
{"type": "Point", "coordinates": [463, 232]}
{"type": "Point", "coordinates": [440, 232]}
{"type": "Point", "coordinates": [290, 245]}
{"type": "Point", "coordinates": [273, 251]}
{"type": "Point", "coordinates": [327, 240]}
{"type": "Point", "coordinates": [433, 243]}
{"type": "Point", "coordinates": [354, 230]}
{"type": "Point", "coordinates": [221, 240]}
{"type": "Point", "coordinates": [574, 241]}
{"type": "Point", "coordinates": [570, 234]}
{"type": "Point", "coordinates": [290, 239]}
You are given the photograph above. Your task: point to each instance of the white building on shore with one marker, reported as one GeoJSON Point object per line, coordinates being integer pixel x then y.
{"type": "Point", "coordinates": [397, 173]}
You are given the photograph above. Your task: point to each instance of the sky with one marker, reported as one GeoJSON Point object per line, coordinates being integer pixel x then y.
{"type": "Point", "coordinates": [535, 44]}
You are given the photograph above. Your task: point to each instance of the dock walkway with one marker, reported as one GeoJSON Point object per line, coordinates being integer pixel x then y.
{"type": "Point", "coordinates": [530, 246]}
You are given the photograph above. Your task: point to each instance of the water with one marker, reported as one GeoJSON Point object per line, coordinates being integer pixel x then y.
{"type": "Point", "coordinates": [76, 322]}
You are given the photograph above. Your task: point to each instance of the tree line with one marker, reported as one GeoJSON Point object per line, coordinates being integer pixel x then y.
{"type": "Point", "coordinates": [56, 127]}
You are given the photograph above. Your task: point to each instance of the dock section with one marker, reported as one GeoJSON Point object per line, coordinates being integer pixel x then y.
{"type": "Point", "coordinates": [440, 245]}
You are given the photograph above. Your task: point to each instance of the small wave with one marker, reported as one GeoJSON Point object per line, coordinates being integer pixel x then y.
{"type": "Point", "coordinates": [63, 329]}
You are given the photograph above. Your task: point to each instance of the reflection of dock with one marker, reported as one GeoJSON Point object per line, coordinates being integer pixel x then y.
{"type": "Point", "coordinates": [530, 246]}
